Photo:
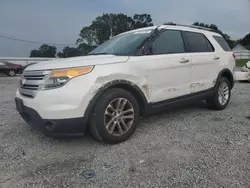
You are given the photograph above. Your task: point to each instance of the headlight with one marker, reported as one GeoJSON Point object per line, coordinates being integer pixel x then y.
{"type": "Point", "coordinates": [244, 69]}
{"type": "Point", "coordinates": [58, 78]}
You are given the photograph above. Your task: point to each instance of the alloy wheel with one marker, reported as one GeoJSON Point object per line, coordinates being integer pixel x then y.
{"type": "Point", "coordinates": [223, 93]}
{"type": "Point", "coordinates": [12, 73]}
{"type": "Point", "coordinates": [119, 116]}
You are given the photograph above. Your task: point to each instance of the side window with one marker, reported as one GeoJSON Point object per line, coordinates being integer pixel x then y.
{"type": "Point", "coordinates": [197, 42]}
{"type": "Point", "coordinates": [169, 42]}
{"type": "Point", "coordinates": [1, 63]}
{"type": "Point", "coordinates": [209, 45]}
{"type": "Point", "coordinates": [222, 43]}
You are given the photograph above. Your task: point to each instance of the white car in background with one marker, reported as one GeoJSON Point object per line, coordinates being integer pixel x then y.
{"type": "Point", "coordinates": [244, 73]}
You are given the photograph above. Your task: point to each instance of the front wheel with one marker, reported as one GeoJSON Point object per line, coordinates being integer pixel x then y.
{"type": "Point", "coordinates": [115, 117]}
{"type": "Point", "coordinates": [11, 73]}
{"type": "Point", "coordinates": [221, 96]}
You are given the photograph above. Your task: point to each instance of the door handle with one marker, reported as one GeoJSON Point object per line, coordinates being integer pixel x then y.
{"type": "Point", "coordinates": [184, 60]}
{"type": "Point", "coordinates": [216, 58]}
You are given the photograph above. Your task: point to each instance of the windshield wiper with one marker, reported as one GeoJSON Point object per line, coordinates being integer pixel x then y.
{"type": "Point", "coordinates": [99, 53]}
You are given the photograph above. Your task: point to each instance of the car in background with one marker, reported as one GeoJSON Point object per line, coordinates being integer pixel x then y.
{"type": "Point", "coordinates": [10, 69]}
{"type": "Point", "coordinates": [244, 73]}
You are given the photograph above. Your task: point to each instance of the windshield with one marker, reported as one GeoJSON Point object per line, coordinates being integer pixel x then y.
{"type": "Point", "coordinates": [123, 44]}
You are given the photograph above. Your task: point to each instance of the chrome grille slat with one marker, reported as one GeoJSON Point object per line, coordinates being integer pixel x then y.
{"type": "Point", "coordinates": [31, 88]}
{"type": "Point", "coordinates": [34, 78]}
{"type": "Point", "coordinates": [31, 82]}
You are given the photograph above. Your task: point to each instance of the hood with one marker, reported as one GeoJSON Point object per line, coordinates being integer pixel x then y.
{"type": "Point", "coordinates": [61, 63]}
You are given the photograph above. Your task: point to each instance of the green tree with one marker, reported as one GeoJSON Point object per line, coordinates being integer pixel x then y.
{"type": "Point", "coordinates": [35, 53]}
{"type": "Point", "coordinates": [85, 48]}
{"type": "Point", "coordinates": [216, 29]}
{"type": "Point", "coordinates": [69, 52]}
{"type": "Point", "coordinates": [82, 49]}
{"type": "Point", "coordinates": [246, 40]}
{"type": "Point", "coordinates": [47, 51]}
{"type": "Point", "coordinates": [109, 25]}
{"type": "Point", "coordinates": [44, 51]}
{"type": "Point", "coordinates": [142, 20]}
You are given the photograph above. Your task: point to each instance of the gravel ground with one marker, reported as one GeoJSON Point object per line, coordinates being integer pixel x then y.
{"type": "Point", "coordinates": [186, 147]}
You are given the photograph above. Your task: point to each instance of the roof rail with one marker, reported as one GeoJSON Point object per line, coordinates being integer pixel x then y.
{"type": "Point", "coordinates": [191, 26]}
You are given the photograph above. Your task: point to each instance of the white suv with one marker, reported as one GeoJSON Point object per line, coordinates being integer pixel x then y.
{"type": "Point", "coordinates": [131, 75]}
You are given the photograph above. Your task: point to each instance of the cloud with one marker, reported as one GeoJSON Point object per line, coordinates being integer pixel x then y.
{"type": "Point", "coordinates": [60, 21]}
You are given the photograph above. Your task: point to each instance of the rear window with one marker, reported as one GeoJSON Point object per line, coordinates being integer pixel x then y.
{"type": "Point", "coordinates": [222, 43]}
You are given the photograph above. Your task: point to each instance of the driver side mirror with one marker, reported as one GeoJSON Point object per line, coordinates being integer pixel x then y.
{"type": "Point", "coordinates": [148, 51]}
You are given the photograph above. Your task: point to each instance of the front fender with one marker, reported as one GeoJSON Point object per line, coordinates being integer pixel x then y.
{"type": "Point", "coordinates": [140, 91]}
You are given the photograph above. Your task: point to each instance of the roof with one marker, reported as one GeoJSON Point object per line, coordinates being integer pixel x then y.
{"type": "Point", "coordinates": [240, 47]}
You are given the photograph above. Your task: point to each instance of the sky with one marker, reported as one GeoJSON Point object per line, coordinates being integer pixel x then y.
{"type": "Point", "coordinates": [60, 21]}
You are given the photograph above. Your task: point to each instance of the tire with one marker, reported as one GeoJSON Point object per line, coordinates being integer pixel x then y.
{"type": "Point", "coordinates": [217, 101]}
{"type": "Point", "coordinates": [105, 125]}
{"type": "Point", "coordinates": [11, 73]}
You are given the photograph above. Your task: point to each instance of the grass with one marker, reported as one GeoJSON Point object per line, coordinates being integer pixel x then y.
{"type": "Point", "coordinates": [241, 62]}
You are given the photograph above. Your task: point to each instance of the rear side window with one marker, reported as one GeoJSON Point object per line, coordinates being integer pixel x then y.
{"type": "Point", "coordinates": [222, 43]}
{"type": "Point", "coordinates": [197, 42]}
{"type": "Point", "coordinates": [169, 42]}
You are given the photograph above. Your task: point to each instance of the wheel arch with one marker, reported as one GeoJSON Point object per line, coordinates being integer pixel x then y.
{"type": "Point", "coordinates": [124, 84]}
{"type": "Point", "coordinates": [226, 73]}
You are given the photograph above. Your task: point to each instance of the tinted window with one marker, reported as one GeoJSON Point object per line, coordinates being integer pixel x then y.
{"type": "Point", "coordinates": [222, 43]}
{"type": "Point", "coordinates": [209, 45]}
{"type": "Point", "coordinates": [197, 42]}
{"type": "Point", "coordinates": [168, 42]}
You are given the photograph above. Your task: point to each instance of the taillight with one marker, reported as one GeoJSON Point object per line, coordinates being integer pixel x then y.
{"type": "Point", "coordinates": [234, 56]}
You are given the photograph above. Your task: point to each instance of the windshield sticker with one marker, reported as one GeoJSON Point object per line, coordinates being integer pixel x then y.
{"type": "Point", "coordinates": [142, 32]}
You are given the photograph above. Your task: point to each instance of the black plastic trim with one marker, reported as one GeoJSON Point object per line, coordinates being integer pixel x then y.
{"type": "Point", "coordinates": [59, 127]}
{"type": "Point", "coordinates": [148, 108]}
{"type": "Point", "coordinates": [226, 70]}
{"type": "Point", "coordinates": [178, 101]}
{"type": "Point", "coordinates": [115, 83]}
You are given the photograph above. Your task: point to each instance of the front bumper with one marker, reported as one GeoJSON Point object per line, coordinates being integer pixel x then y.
{"type": "Point", "coordinates": [51, 127]}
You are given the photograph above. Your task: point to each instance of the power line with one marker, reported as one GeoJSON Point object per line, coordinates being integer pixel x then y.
{"type": "Point", "coordinates": [35, 42]}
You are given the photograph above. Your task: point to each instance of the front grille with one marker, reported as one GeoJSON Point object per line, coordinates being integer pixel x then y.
{"type": "Point", "coordinates": [35, 77]}
{"type": "Point", "coordinates": [31, 81]}
{"type": "Point", "coordinates": [31, 87]}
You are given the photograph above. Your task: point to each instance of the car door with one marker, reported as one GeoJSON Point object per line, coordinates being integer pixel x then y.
{"type": "Point", "coordinates": [204, 61]}
{"type": "Point", "coordinates": [167, 67]}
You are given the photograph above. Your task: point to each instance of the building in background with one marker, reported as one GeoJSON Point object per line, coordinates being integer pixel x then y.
{"type": "Point", "coordinates": [241, 52]}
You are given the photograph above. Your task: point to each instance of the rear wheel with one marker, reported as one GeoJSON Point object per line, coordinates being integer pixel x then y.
{"type": "Point", "coordinates": [221, 96]}
{"type": "Point", "coordinates": [115, 116]}
{"type": "Point", "coordinates": [11, 73]}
